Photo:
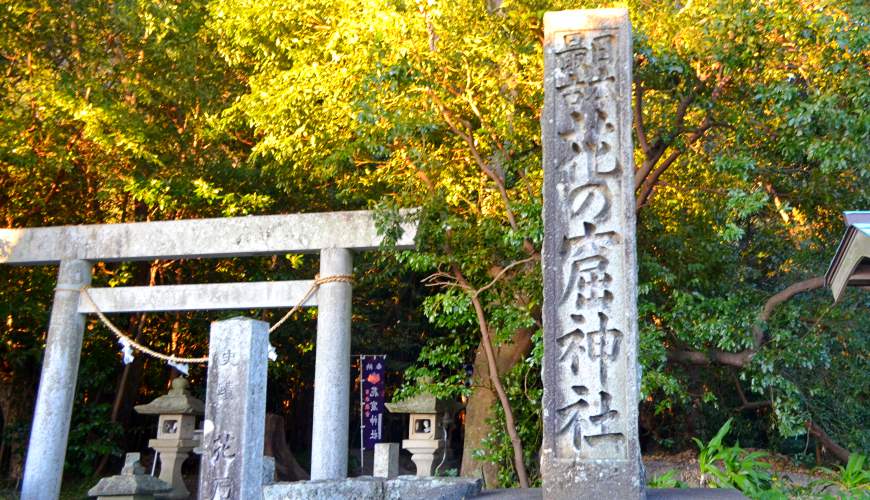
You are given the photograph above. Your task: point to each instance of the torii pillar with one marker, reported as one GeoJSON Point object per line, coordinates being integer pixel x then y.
{"type": "Point", "coordinates": [57, 385]}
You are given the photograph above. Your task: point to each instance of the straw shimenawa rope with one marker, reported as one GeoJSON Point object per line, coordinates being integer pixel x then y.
{"type": "Point", "coordinates": [125, 339]}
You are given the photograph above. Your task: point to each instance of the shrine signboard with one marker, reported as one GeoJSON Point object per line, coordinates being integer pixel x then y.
{"type": "Point", "coordinates": [589, 260]}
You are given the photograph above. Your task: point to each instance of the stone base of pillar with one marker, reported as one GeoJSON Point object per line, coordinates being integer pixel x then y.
{"type": "Point", "coordinates": [598, 479]}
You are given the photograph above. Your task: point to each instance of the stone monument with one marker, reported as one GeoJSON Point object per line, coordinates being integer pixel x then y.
{"type": "Point", "coordinates": [591, 373]}
{"type": "Point", "coordinates": [235, 410]}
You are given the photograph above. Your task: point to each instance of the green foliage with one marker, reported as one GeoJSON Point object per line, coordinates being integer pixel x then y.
{"type": "Point", "coordinates": [443, 362]}
{"type": "Point", "coordinates": [853, 479]}
{"type": "Point", "coordinates": [733, 467]}
{"type": "Point", "coordinates": [117, 112]}
{"type": "Point", "coordinates": [666, 480]}
{"type": "Point", "coordinates": [92, 435]}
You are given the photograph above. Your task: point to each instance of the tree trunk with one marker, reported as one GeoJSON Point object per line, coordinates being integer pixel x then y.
{"type": "Point", "coordinates": [481, 404]}
{"type": "Point", "coordinates": [275, 445]}
{"type": "Point", "coordinates": [16, 406]}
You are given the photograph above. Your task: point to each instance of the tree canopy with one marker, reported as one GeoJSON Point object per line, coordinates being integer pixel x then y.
{"type": "Point", "coordinates": [751, 133]}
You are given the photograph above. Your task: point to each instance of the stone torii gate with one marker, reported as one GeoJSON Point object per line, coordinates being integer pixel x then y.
{"type": "Point", "coordinates": [334, 235]}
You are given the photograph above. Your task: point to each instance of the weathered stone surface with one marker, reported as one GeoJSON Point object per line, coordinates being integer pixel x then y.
{"type": "Point", "coordinates": [424, 403]}
{"type": "Point", "coordinates": [140, 484]}
{"type": "Point", "coordinates": [235, 410]}
{"type": "Point", "coordinates": [57, 385]}
{"type": "Point", "coordinates": [652, 494]}
{"type": "Point", "coordinates": [254, 295]}
{"type": "Point", "coordinates": [176, 401]}
{"type": "Point", "coordinates": [369, 488]}
{"type": "Point", "coordinates": [268, 470]}
{"type": "Point", "coordinates": [423, 453]}
{"type": "Point", "coordinates": [358, 488]}
{"type": "Point", "coordinates": [330, 426]}
{"type": "Point", "coordinates": [76, 246]}
{"type": "Point", "coordinates": [131, 482]}
{"type": "Point", "coordinates": [431, 488]}
{"type": "Point", "coordinates": [590, 373]}
{"type": "Point", "coordinates": [172, 456]}
{"type": "Point", "coordinates": [512, 494]}
{"type": "Point", "coordinates": [386, 464]}
{"type": "Point", "coordinates": [225, 237]}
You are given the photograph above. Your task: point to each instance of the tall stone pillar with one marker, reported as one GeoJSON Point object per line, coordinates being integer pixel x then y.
{"type": "Point", "coordinates": [43, 469]}
{"type": "Point", "coordinates": [591, 373]}
{"type": "Point", "coordinates": [329, 433]}
{"type": "Point", "coordinates": [235, 410]}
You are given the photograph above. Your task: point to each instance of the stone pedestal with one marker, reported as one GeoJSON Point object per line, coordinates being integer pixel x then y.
{"type": "Point", "coordinates": [375, 488]}
{"type": "Point", "coordinates": [172, 455]}
{"type": "Point", "coordinates": [235, 410]}
{"type": "Point", "coordinates": [423, 453]}
{"type": "Point", "coordinates": [427, 422]}
{"type": "Point", "coordinates": [268, 470]}
{"type": "Point", "coordinates": [590, 369]}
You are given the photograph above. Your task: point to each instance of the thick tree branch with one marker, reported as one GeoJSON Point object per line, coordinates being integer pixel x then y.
{"type": "Point", "coordinates": [639, 128]}
{"type": "Point", "coordinates": [780, 297]}
{"type": "Point", "coordinates": [742, 358]}
{"type": "Point", "coordinates": [736, 359]}
{"type": "Point", "coordinates": [838, 451]}
{"type": "Point", "coordinates": [467, 135]}
{"type": "Point", "coordinates": [652, 157]}
{"type": "Point", "coordinates": [789, 292]}
{"type": "Point", "coordinates": [650, 182]}
{"type": "Point", "coordinates": [502, 272]}
{"type": "Point", "coordinates": [746, 404]}
{"type": "Point", "coordinates": [661, 144]}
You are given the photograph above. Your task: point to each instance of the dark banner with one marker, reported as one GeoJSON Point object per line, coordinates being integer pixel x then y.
{"type": "Point", "coordinates": [373, 399]}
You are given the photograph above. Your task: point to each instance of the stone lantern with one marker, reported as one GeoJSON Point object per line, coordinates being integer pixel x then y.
{"type": "Point", "coordinates": [177, 412]}
{"type": "Point", "coordinates": [131, 484]}
{"type": "Point", "coordinates": [426, 428]}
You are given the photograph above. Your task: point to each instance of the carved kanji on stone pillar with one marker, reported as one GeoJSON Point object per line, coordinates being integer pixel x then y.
{"type": "Point", "coordinates": [590, 271]}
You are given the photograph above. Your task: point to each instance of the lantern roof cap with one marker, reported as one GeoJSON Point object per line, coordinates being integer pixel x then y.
{"type": "Point", "coordinates": [424, 403]}
{"type": "Point", "coordinates": [178, 402]}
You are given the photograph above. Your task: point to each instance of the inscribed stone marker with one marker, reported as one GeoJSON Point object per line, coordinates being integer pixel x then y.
{"type": "Point", "coordinates": [386, 463]}
{"type": "Point", "coordinates": [235, 410]}
{"type": "Point", "coordinates": [589, 260]}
